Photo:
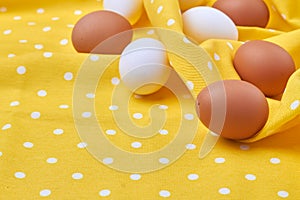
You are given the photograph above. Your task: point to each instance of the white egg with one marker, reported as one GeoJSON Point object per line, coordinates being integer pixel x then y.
{"type": "Point", "coordinates": [130, 9]}
{"type": "Point", "coordinates": [203, 22]}
{"type": "Point", "coordinates": [144, 66]}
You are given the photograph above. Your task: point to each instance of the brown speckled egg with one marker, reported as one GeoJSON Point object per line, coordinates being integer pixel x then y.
{"type": "Point", "coordinates": [245, 12]}
{"type": "Point", "coordinates": [264, 64]}
{"type": "Point", "coordinates": [102, 32]}
{"type": "Point", "coordinates": [234, 109]}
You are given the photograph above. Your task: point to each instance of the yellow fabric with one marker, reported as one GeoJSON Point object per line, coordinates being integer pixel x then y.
{"type": "Point", "coordinates": [42, 155]}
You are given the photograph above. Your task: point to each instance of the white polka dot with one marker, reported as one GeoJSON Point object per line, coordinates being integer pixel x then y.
{"type": "Point", "coordinates": [35, 115]}
{"type": "Point", "coordinates": [1, 153]}
{"type": "Point", "coordinates": [40, 11]}
{"type": "Point", "coordinates": [47, 54]}
{"type": "Point", "coordinates": [138, 96]}
{"type": "Point", "coordinates": [28, 145]}
{"type": "Point", "coordinates": [164, 193]}
{"type": "Point", "coordinates": [31, 23]}
{"type": "Point", "coordinates": [45, 192]}
{"type": "Point", "coordinates": [17, 18]}
{"type": "Point", "coordinates": [190, 85]}
{"type": "Point", "coordinates": [219, 160]}
{"type": "Point", "coordinates": [52, 160]}
{"type": "Point", "coordinates": [11, 55]}
{"type": "Point", "coordinates": [283, 16]}
{"type": "Point", "coordinates": [216, 57]}
{"type": "Point", "coordinates": [135, 177]}
{"type": "Point", "coordinates": [42, 93]}
{"type": "Point", "coordinates": [21, 70]}
{"type": "Point", "coordinates": [90, 95]}
{"type": "Point", "coordinates": [94, 58]}
{"type": "Point", "coordinates": [190, 146]}
{"type": "Point", "coordinates": [38, 46]}
{"type": "Point", "coordinates": [63, 106]}
{"type": "Point", "coordinates": [104, 193]}
{"type": "Point", "coordinates": [224, 191]}
{"type": "Point", "coordinates": [170, 22]}
{"type": "Point", "coordinates": [244, 147]}
{"type": "Point", "coordinates": [250, 177]}
{"type": "Point", "coordinates": [55, 18]}
{"type": "Point", "coordinates": [6, 126]}
{"type": "Point", "coordinates": [64, 42]}
{"type": "Point", "coordinates": [82, 145]}
{"type": "Point", "coordinates": [20, 175]}
{"type": "Point", "coordinates": [110, 132]}
{"type": "Point", "coordinates": [295, 105]}
{"type": "Point", "coordinates": [77, 176]}
{"type": "Point", "coordinates": [229, 45]}
{"type": "Point", "coordinates": [189, 116]}
{"type": "Point", "coordinates": [150, 32]}
{"type": "Point", "coordinates": [151, 1]}
{"type": "Point", "coordinates": [108, 161]}
{"type": "Point", "coordinates": [7, 32]}
{"type": "Point", "coordinates": [164, 160]}
{"type": "Point", "coordinates": [77, 12]}
{"type": "Point", "coordinates": [14, 103]}
{"type": "Point", "coordinates": [113, 107]}
{"type": "Point", "coordinates": [283, 194]}
{"type": "Point", "coordinates": [137, 115]}
{"type": "Point", "coordinates": [163, 132]}
{"type": "Point", "coordinates": [193, 177]}
{"type": "Point", "coordinates": [70, 25]}
{"type": "Point", "coordinates": [210, 65]}
{"type": "Point", "coordinates": [275, 160]}
{"type": "Point", "coordinates": [115, 81]}
{"type": "Point", "coordinates": [58, 131]}
{"type": "Point", "coordinates": [86, 114]}
{"type": "Point", "coordinates": [68, 76]}
{"type": "Point", "coordinates": [159, 9]}
{"type": "Point", "coordinates": [3, 9]}
{"type": "Point", "coordinates": [136, 145]}
{"type": "Point", "coordinates": [23, 41]}
{"type": "Point", "coordinates": [47, 28]}
{"type": "Point", "coordinates": [163, 107]}
{"type": "Point", "coordinates": [185, 40]}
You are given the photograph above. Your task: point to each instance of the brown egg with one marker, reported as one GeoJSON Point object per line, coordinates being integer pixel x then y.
{"type": "Point", "coordinates": [234, 109]}
{"type": "Point", "coordinates": [102, 32]}
{"type": "Point", "coordinates": [245, 12]}
{"type": "Point", "coordinates": [264, 64]}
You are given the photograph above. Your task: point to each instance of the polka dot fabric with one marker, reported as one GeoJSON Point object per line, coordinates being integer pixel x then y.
{"type": "Point", "coordinates": [42, 156]}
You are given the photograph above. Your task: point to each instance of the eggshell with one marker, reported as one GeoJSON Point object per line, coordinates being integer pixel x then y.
{"type": "Point", "coordinates": [264, 64]}
{"type": "Point", "coordinates": [144, 66]}
{"type": "Point", "coordinates": [102, 32]}
{"type": "Point", "coordinates": [203, 22]}
{"type": "Point", "coordinates": [234, 109]}
{"type": "Point", "coordinates": [245, 12]}
{"type": "Point", "coordinates": [130, 9]}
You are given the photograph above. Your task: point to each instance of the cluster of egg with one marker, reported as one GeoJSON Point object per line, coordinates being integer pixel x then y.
{"type": "Point", "coordinates": [264, 67]}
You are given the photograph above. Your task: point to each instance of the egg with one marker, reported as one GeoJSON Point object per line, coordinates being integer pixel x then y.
{"type": "Point", "coordinates": [130, 9]}
{"type": "Point", "coordinates": [102, 32]}
{"type": "Point", "coordinates": [144, 66]}
{"type": "Point", "coordinates": [235, 109]}
{"type": "Point", "coordinates": [264, 64]}
{"type": "Point", "coordinates": [203, 22]}
{"type": "Point", "coordinates": [245, 12]}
